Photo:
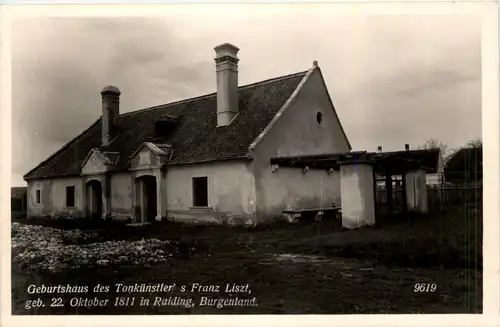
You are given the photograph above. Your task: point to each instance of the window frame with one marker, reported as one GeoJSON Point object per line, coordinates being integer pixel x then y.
{"type": "Point", "coordinates": [38, 196]}
{"type": "Point", "coordinates": [68, 205]}
{"type": "Point", "coordinates": [196, 201]}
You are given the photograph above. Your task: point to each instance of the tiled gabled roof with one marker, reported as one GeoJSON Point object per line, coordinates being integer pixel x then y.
{"type": "Point", "coordinates": [194, 138]}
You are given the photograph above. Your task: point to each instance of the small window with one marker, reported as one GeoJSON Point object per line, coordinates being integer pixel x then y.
{"type": "Point", "coordinates": [38, 197]}
{"type": "Point", "coordinates": [70, 196]}
{"type": "Point", "coordinates": [200, 192]}
{"type": "Point", "coordinates": [319, 117]}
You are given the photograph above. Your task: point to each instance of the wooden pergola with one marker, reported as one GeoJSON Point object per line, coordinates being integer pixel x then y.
{"type": "Point", "coordinates": [387, 164]}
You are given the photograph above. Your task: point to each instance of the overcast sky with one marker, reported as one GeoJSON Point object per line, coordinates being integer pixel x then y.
{"type": "Point", "coordinates": [393, 79]}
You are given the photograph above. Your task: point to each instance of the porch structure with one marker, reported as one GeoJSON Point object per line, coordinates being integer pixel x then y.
{"type": "Point", "coordinates": [358, 176]}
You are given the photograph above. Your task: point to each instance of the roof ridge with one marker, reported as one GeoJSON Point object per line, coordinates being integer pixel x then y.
{"type": "Point", "coordinates": [263, 82]}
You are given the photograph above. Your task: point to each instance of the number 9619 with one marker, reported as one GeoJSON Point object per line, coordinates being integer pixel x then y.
{"type": "Point", "coordinates": [424, 287]}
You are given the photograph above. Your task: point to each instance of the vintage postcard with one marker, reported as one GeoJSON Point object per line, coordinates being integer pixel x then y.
{"type": "Point", "coordinates": [311, 162]}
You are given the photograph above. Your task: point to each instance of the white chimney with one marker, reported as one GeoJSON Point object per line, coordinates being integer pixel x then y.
{"type": "Point", "coordinates": [226, 66]}
{"type": "Point", "coordinates": [110, 111]}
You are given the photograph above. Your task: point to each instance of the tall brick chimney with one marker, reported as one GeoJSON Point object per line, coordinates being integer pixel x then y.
{"type": "Point", "coordinates": [110, 111]}
{"type": "Point", "coordinates": [226, 66]}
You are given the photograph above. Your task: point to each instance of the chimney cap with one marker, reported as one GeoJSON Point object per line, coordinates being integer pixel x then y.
{"type": "Point", "coordinates": [111, 89]}
{"type": "Point", "coordinates": [226, 49]}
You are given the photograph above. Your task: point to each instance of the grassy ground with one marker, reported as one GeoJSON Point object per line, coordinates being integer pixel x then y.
{"type": "Point", "coordinates": [304, 268]}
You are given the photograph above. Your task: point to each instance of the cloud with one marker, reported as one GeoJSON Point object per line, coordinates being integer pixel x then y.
{"type": "Point", "coordinates": [393, 79]}
{"type": "Point", "coordinates": [60, 65]}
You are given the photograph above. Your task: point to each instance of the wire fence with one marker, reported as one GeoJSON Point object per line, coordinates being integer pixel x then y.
{"type": "Point", "coordinates": [439, 196]}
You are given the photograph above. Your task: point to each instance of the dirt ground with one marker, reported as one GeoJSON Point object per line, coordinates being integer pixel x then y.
{"type": "Point", "coordinates": [304, 268]}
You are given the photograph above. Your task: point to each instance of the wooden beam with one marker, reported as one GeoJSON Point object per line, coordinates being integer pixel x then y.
{"type": "Point", "coordinates": [395, 162]}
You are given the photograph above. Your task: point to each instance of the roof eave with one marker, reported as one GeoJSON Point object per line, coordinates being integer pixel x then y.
{"type": "Point", "coordinates": [52, 176]}
{"type": "Point", "coordinates": [247, 157]}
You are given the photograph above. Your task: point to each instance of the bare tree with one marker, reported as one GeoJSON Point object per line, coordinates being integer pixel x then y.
{"type": "Point", "coordinates": [475, 143]}
{"type": "Point", "coordinates": [446, 152]}
{"type": "Point", "coordinates": [435, 144]}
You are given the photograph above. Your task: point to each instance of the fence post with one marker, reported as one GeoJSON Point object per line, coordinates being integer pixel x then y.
{"type": "Point", "coordinates": [388, 187]}
{"type": "Point", "coordinates": [405, 200]}
{"type": "Point", "coordinates": [375, 191]}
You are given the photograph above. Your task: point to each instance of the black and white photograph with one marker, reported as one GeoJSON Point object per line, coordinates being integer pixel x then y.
{"type": "Point", "coordinates": [285, 159]}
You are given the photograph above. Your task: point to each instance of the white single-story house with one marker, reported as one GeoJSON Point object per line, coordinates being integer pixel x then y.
{"type": "Point", "coordinates": [208, 158]}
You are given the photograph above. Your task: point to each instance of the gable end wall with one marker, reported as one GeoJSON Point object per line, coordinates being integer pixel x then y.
{"type": "Point", "coordinates": [298, 133]}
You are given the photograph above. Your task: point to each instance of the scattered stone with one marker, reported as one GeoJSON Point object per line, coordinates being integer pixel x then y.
{"type": "Point", "coordinates": [43, 249]}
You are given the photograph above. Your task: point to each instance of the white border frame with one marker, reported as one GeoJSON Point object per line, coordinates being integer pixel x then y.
{"type": "Point", "coordinates": [490, 128]}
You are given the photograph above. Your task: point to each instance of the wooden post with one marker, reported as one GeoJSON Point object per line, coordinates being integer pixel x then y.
{"type": "Point", "coordinates": [375, 191]}
{"type": "Point", "coordinates": [388, 188]}
{"type": "Point", "coordinates": [405, 200]}
{"type": "Point", "coordinates": [318, 221]}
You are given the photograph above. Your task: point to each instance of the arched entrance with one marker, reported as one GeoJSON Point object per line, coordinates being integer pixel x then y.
{"type": "Point", "coordinates": [94, 199]}
{"type": "Point", "coordinates": [146, 198]}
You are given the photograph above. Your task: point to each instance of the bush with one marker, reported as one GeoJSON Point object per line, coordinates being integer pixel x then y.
{"type": "Point", "coordinates": [18, 215]}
